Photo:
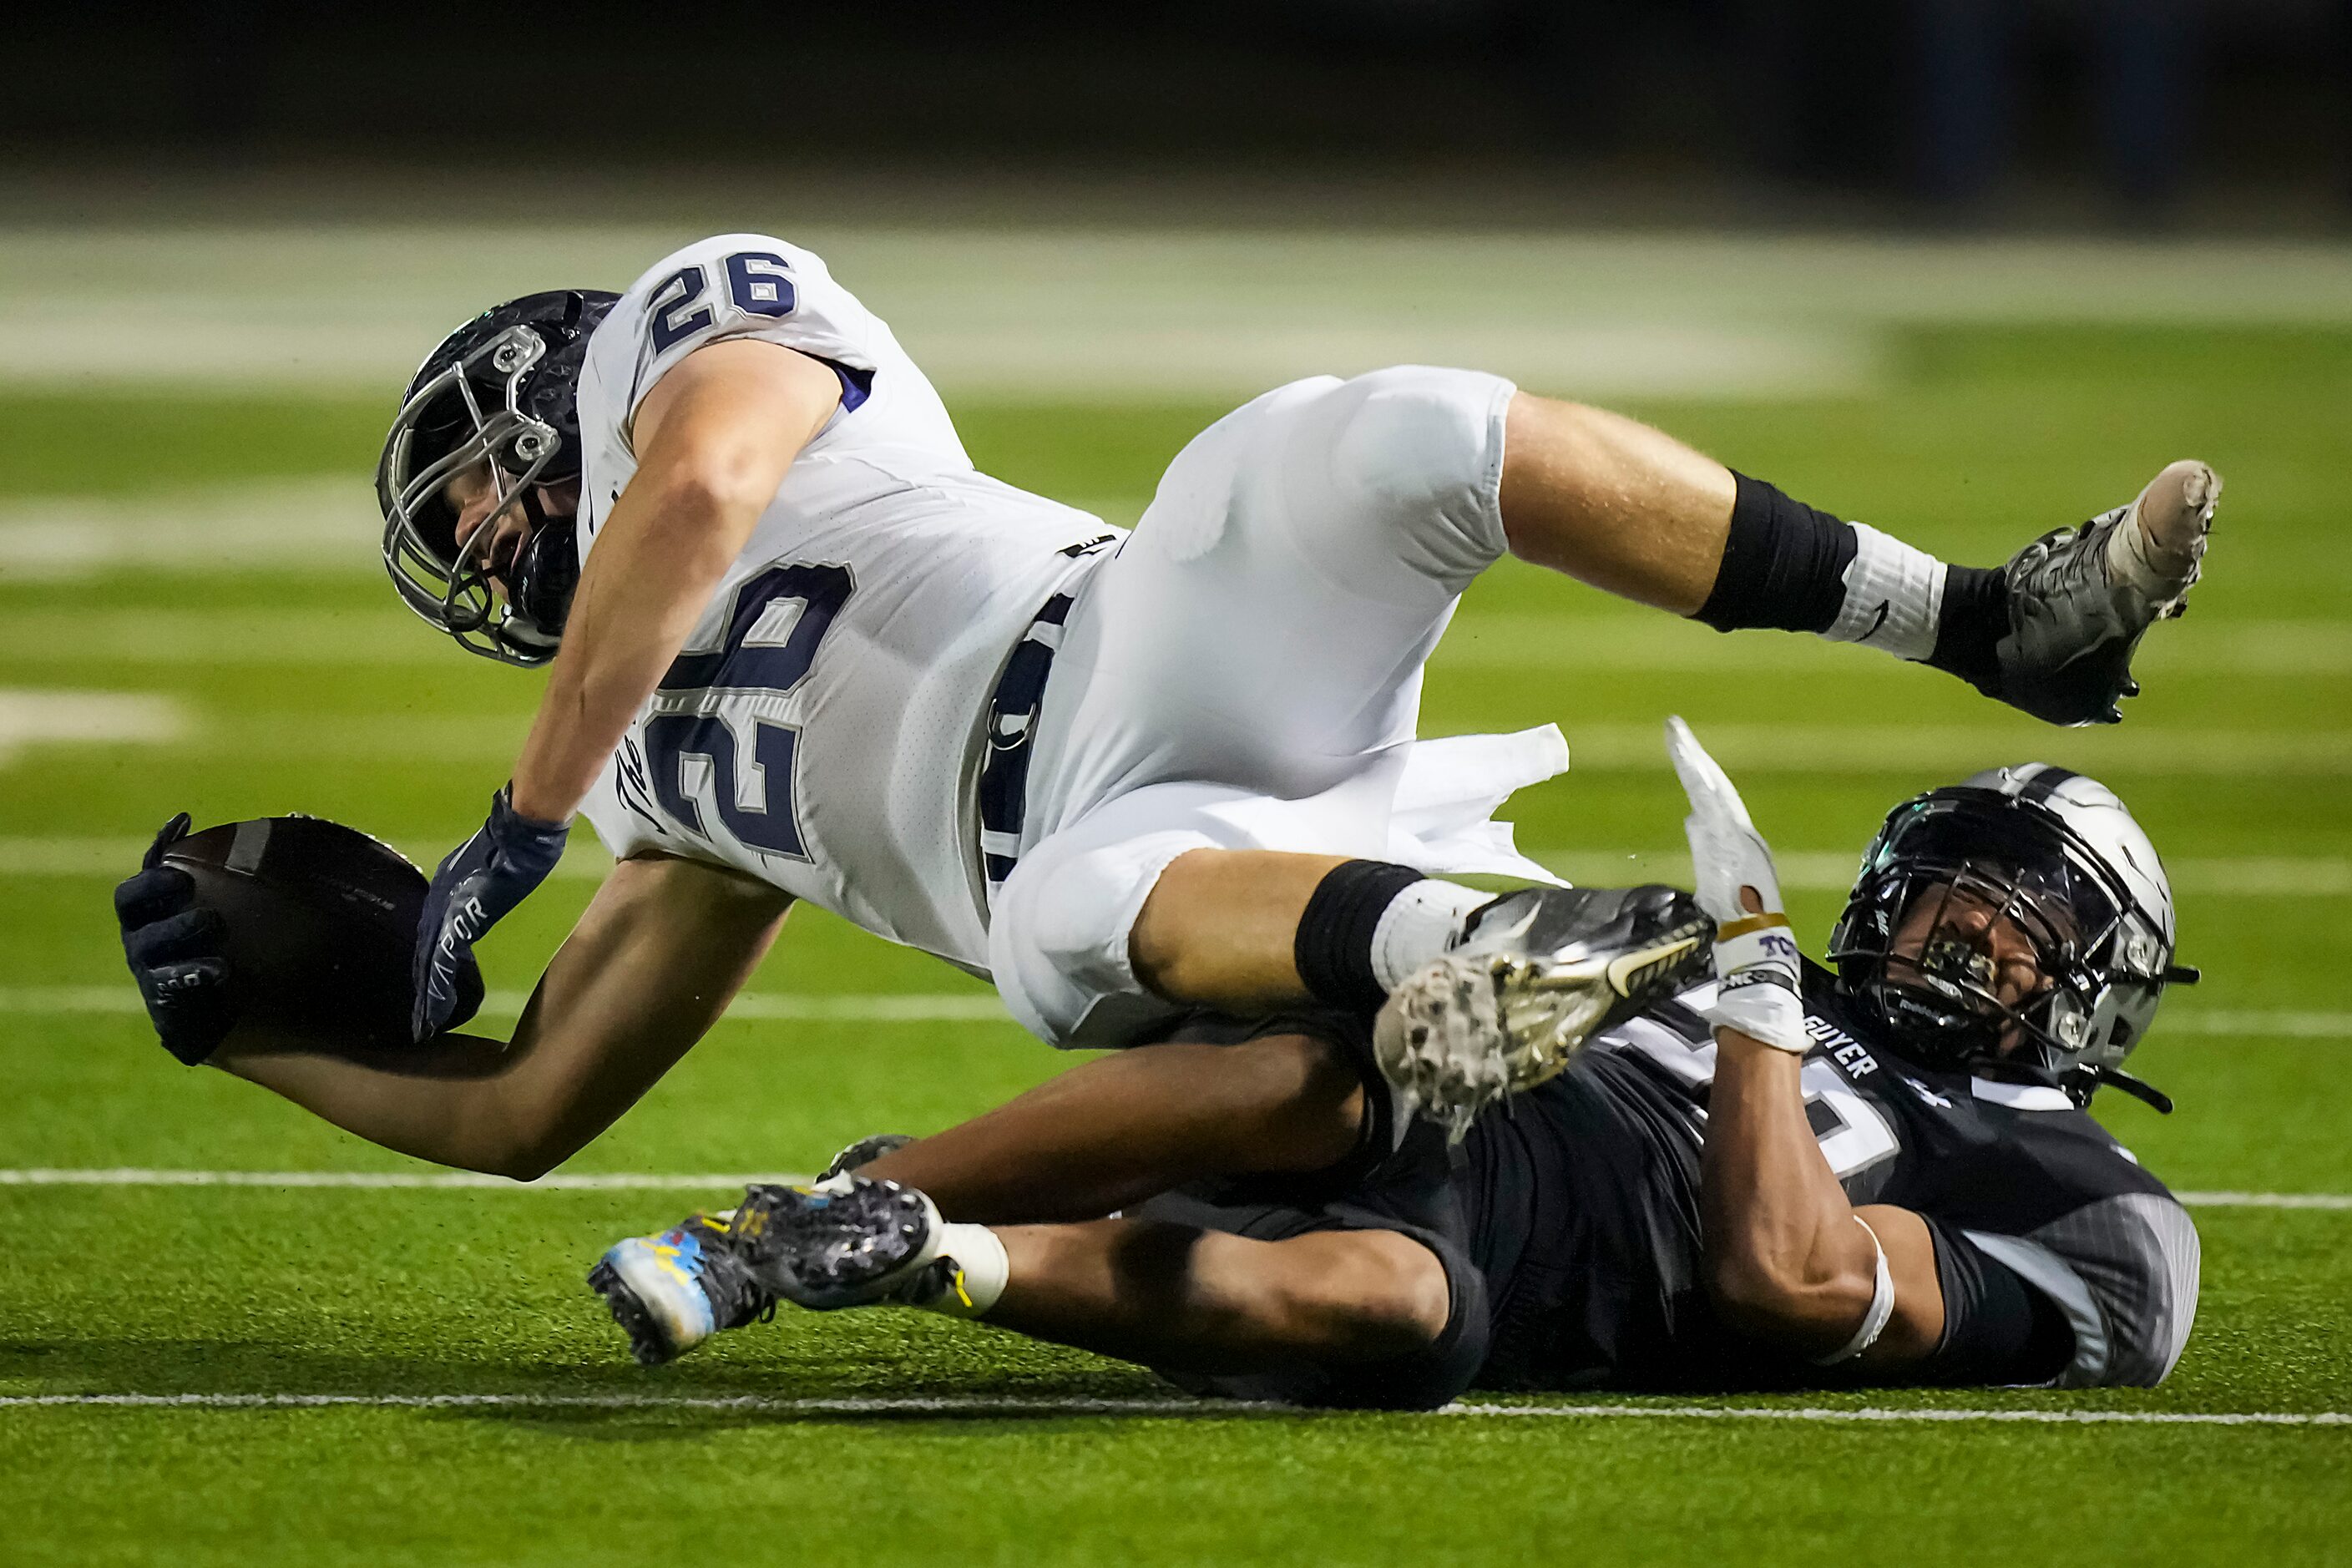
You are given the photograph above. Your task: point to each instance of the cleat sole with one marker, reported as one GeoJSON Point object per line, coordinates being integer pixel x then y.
{"type": "Point", "coordinates": [845, 1246]}
{"type": "Point", "coordinates": [633, 1293]}
{"type": "Point", "coordinates": [1473, 1028]}
{"type": "Point", "coordinates": [647, 1344]}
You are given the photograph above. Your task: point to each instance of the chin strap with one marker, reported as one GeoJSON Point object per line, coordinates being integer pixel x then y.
{"type": "Point", "coordinates": [2140, 1089]}
{"type": "Point", "coordinates": [543, 578]}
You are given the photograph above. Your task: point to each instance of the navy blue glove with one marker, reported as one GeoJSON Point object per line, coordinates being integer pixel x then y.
{"type": "Point", "coordinates": [178, 952]}
{"type": "Point", "coordinates": [480, 882]}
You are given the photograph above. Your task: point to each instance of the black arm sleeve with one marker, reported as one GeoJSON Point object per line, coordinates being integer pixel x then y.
{"type": "Point", "coordinates": [1997, 1328]}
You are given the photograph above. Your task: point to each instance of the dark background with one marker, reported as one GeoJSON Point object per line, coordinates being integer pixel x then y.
{"type": "Point", "coordinates": [2204, 112]}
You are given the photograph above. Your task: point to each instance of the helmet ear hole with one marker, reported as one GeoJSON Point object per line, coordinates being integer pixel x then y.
{"type": "Point", "coordinates": [546, 575]}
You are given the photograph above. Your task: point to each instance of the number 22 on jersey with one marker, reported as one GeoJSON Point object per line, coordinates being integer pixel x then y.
{"type": "Point", "coordinates": [736, 748]}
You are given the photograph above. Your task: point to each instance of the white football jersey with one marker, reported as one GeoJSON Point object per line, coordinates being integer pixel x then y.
{"type": "Point", "coordinates": [822, 729]}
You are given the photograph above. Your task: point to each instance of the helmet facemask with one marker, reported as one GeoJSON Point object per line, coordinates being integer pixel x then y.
{"type": "Point", "coordinates": [1959, 872]}
{"type": "Point", "coordinates": [473, 417]}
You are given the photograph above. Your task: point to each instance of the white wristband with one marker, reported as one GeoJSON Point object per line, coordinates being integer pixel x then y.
{"type": "Point", "coordinates": [1757, 993]}
{"type": "Point", "coordinates": [1882, 1306]}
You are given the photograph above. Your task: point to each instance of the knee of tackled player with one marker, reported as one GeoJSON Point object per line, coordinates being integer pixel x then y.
{"type": "Point", "coordinates": [1358, 1295]}
{"type": "Point", "coordinates": [1291, 1103]}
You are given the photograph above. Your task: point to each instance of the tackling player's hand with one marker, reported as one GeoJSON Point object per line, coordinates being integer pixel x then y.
{"type": "Point", "coordinates": [1756, 963]}
{"type": "Point", "coordinates": [480, 882]}
{"type": "Point", "coordinates": [178, 952]}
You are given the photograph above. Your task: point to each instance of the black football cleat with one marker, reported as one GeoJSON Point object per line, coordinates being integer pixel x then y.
{"type": "Point", "coordinates": [2080, 599]}
{"type": "Point", "coordinates": [1536, 974]}
{"type": "Point", "coordinates": [863, 1152]}
{"type": "Point", "coordinates": [854, 1242]}
{"type": "Point", "coordinates": [672, 1290]}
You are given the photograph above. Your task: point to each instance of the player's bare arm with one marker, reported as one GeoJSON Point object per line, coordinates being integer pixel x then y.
{"type": "Point", "coordinates": [652, 964]}
{"type": "Point", "coordinates": [1789, 1258]}
{"type": "Point", "coordinates": [713, 440]}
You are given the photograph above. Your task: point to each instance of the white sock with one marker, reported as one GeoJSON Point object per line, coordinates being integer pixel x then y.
{"type": "Point", "coordinates": [2128, 560]}
{"type": "Point", "coordinates": [978, 1273]}
{"type": "Point", "coordinates": [2132, 558]}
{"type": "Point", "coordinates": [1419, 926]}
{"type": "Point", "coordinates": [1894, 596]}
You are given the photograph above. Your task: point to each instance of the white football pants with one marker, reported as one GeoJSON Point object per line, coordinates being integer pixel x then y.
{"type": "Point", "coordinates": [1246, 673]}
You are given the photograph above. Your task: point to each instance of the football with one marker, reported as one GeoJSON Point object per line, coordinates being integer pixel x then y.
{"type": "Point", "coordinates": [321, 922]}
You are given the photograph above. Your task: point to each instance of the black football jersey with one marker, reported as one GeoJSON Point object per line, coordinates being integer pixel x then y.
{"type": "Point", "coordinates": [1582, 1199]}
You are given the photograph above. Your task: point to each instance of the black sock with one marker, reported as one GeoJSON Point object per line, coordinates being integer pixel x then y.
{"type": "Point", "coordinates": [1974, 620]}
{"type": "Point", "coordinates": [1783, 565]}
{"type": "Point", "coordinates": [1793, 566]}
{"type": "Point", "coordinates": [1333, 949]}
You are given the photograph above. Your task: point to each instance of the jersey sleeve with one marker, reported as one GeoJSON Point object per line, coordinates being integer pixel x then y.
{"type": "Point", "coordinates": [2123, 1271]}
{"type": "Point", "coordinates": [1998, 1330]}
{"type": "Point", "coordinates": [745, 286]}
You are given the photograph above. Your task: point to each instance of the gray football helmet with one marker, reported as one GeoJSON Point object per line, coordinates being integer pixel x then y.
{"type": "Point", "coordinates": [2059, 855]}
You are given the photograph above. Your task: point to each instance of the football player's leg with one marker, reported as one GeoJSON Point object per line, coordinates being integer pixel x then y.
{"type": "Point", "coordinates": [1264, 628]}
{"type": "Point", "coordinates": [1113, 1131]}
{"type": "Point", "coordinates": [1102, 1137]}
{"type": "Point", "coordinates": [1370, 1316]}
{"type": "Point", "coordinates": [1127, 921]}
{"type": "Point", "coordinates": [1626, 509]}
{"type": "Point", "coordinates": [1198, 1301]}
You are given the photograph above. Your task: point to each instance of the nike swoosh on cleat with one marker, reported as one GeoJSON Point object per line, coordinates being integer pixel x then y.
{"type": "Point", "coordinates": [1630, 972]}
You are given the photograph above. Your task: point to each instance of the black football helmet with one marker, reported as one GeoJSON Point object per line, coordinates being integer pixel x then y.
{"type": "Point", "coordinates": [497, 393]}
{"type": "Point", "coordinates": [2059, 857]}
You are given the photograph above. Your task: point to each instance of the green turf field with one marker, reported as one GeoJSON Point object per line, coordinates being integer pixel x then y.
{"type": "Point", "coordinates": [290, 679]}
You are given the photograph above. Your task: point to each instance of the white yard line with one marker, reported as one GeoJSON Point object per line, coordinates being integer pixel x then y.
{"type": "Point", "coordinates": [1950, 749]}
{"type": "Point", "coordinates": [2262, 1025]}
{"type": "Point", "coordinates": [118, 857]}
{"type": "Point", "coordinates": [30, 717]}
{"type": "Point", "coordinates": [1050, 1405]}
{"type": "Point", "coordinates": [591, 1182]}
{"type": "Point", "coordinates": [1534, 643]}
{"type": "Point", "coordinates": [983, 1007]}
{"type": "Point", "coordinates": [329, 524]}
{"type": "Point", "coordinates": [214, 531]}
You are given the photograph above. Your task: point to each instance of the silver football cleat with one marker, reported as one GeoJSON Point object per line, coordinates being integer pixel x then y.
{"type": "Point", "coordinates": [1537, 975]}
{"type": "Point", "coordinates": [2081, 598]}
